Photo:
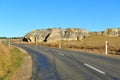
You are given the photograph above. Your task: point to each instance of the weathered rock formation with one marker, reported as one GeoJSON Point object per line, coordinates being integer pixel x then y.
{"type": "Point", "coordinates": [55, 34]}
{"type": "Point", "coordinates": [114, 32]}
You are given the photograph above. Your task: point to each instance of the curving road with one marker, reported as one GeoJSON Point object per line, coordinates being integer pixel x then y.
{"type": "Point", "coordinates": [58, 64]}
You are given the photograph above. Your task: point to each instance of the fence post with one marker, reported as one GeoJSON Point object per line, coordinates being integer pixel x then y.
{"type": "Point", "coordinates": [59, 45]}
{"type": "Point", "coordinates": [106, 47]}
{"type": "Point", "coordinates": [9, 42]}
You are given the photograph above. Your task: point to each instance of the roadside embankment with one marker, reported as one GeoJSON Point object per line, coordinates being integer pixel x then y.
{"type": "Point", "coordinates": [15, 63]}
{"type": "Point", "coordinates": [24, 72]}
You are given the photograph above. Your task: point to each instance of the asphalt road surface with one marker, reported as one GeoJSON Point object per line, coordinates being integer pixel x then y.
{"type": "Point", "coordinates": [57, 64]}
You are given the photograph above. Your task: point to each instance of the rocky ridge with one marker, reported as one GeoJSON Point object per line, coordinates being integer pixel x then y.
{"type": "Point", "coordinates": [114, 32]}
{"type": "Point", "coordinates": [55, 34]}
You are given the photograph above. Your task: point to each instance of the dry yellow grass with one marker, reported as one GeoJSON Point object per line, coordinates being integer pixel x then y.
{"type": "Point", "coordinates": [93, 43]}
{"type": "Point", "coordinates": [10, 59]}
{"type": "Point", "coordinates": [4, 59]}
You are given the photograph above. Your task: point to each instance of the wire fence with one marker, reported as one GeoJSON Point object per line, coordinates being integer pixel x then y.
{"type": "Point", "coordinates": [112, 47]}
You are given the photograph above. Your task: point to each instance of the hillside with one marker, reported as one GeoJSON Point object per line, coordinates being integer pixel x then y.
{"type": "Point", "coordinates": [56, 34]}
{"type": "Point", "coordinates": [77, 39]}
{"type": "Point", "coordinates": [93, 43]}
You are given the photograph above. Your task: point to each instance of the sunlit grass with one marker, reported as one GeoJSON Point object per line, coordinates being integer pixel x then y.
{"type": "Point", "coordinates": [10, 59]}
{"type": "Point", "coordinates": [93, 43]}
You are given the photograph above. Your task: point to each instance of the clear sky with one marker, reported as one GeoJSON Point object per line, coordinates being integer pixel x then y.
{"type": "Point", "coordinates": [18, 17]}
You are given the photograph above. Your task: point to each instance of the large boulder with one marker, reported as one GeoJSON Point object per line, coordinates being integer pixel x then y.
{"type": "Point", "coordinates": [55, 34]}
{"type": "Point", "coordinates": [37, 35]}
{"type": "Point", "coordinates": [114, 32]}
{"type": "Point", "coordinates": [74, 34]}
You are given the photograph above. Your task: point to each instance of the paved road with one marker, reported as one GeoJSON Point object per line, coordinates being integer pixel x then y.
{"type": "Point", "coordinates": [56, 64]}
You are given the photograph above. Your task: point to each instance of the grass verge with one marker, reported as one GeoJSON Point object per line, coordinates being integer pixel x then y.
{"type": "Point", "coordinates": [10, 59]}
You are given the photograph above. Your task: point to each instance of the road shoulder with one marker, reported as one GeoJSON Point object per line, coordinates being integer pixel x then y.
{"type": "Point", "coordinates": [24, 72]}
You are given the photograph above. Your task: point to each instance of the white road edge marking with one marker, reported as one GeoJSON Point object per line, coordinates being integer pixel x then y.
{"type": "Point", "coordinates": [94, 69]}
{"type": "Point", "coordinates": [61, 54]}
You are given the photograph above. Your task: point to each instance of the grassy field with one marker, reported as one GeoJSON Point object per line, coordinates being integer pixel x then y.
{"type": "Point", "coordinates": [93, 43]}
{"type": "Point", "coordinates": [10, 59]}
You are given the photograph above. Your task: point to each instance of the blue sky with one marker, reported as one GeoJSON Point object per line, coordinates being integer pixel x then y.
{"type": "Point", "coordinates": [18, 17]}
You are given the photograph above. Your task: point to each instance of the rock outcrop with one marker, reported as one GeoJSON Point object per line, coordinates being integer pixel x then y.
{"type": "Point", "coordinates": [55, 34]}
{"type": "Point", "coordinates": [114, 32]}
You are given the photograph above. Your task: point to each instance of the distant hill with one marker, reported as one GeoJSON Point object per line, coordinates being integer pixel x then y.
{"type": "Point", "coordinates": [115, 32]}
{"type": "Point", "coordinates": [112, 32]}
